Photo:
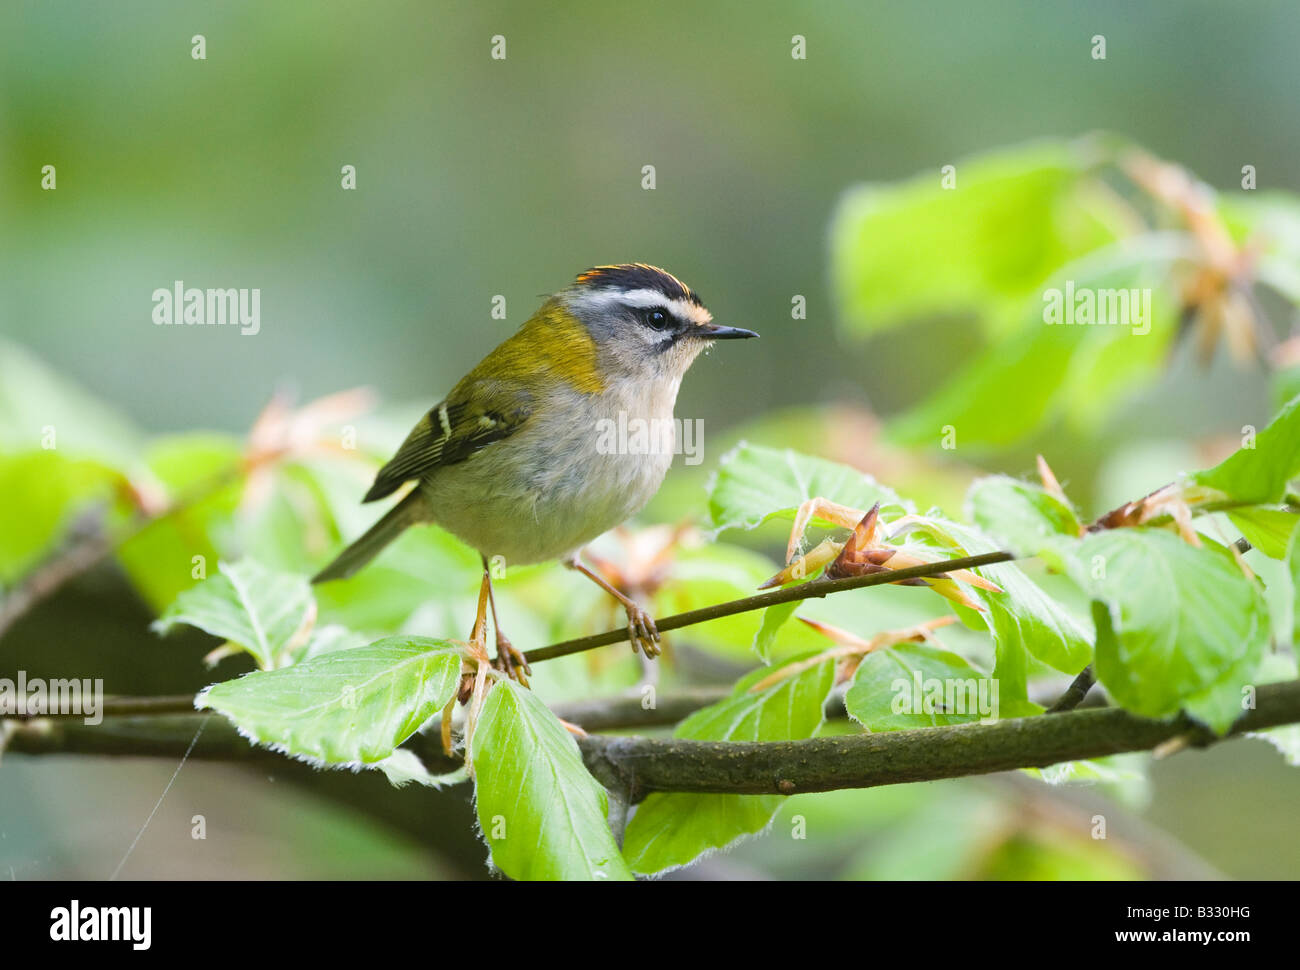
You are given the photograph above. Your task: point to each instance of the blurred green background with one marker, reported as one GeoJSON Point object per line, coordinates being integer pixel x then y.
{"type": "Point", "coordinates": [478, 177]}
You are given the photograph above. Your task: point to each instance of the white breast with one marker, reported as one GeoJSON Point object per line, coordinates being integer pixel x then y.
{"type": "Point", "coordinates": [562, 480]}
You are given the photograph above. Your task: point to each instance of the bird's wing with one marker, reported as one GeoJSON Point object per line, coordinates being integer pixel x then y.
{"type": "Point", "coordinates": [473, 416]}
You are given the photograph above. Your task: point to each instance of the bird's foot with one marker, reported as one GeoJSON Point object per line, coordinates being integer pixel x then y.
{"type": "Point", "coordinates": [511, 661]}
{"type": "Point", "coordinates": [642, 632]}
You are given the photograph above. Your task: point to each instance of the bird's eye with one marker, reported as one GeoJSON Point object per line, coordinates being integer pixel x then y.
{"type": "Point", "coordinates": [657, 320]}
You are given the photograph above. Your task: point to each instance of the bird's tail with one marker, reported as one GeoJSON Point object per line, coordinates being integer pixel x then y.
{"type": "Point", "coordinates": [408, 511]}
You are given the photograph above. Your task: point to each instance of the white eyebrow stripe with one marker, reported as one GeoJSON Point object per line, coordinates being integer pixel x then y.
{"type": "Point", "coordinates": [641, 298]}
{"type": "Point", "coordinates": [644, 299]}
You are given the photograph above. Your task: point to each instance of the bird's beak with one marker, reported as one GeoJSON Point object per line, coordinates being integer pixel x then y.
{"type": "Point", "coordinates": [711, 331]}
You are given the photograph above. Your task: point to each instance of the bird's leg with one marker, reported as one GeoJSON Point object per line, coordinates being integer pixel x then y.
{"type": "Point", "coordinates": [476, 660]}
{"type": "Point", "coordinates": [508, 660]}
{"type": "Point", "coordinates": [641, 630]}
{"type": "Point", "coordinates": [478, 632]}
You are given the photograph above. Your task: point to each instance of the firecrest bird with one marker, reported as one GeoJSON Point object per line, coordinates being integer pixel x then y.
{"type": "Point", "coordinates": [510, 462]}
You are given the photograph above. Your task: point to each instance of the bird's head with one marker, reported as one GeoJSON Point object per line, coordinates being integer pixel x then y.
{"type": "Point", "coordinates": [644, 322]}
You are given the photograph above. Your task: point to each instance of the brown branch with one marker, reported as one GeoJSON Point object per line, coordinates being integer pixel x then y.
{"type": "Point", "coordinates": [638, 765]}
{"type": "Point", "coordinates": [808, 590]}
{"type": "Point", "coordinates": [643, 765]}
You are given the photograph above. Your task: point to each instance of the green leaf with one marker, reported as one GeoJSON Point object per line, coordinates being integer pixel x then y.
{"type": "Point", "coordinates": [1177, 626]}
{"type": "Point", "coordinates": [1048, 857]}
{"type": "Point", "coordinates": [1022, 618]}
{"type": "Point", "coordinates": [40, 408]}
{"type": "Point", "coordinates": [671, 830]}
{"type": "Point", "coordinates": [542, 813]}
{"type": "Point", "coordinates": [1029, 375]}
{"type": "Point", "coordinates": [288, 522]}
{"type": "Point", "coordinates": [1284, 602]}
{"type": "Point", "coordinates": [774, 617]}
{"type": "Point", "coordinates": [916, 685]}
{"type": "Point", "coordinates": [249, 606]}
{"type": "Point", "coordinates": [1122, 777]}
{"type": "Point", "coordinates": [1286, 381]}
{"type": "Point", "coordinates": [1223, 700]}
{"type": "Point", "coordinates": [1267, 529]}
{"type": "Point", "coordinates": [708, 574]}
{"type": "Point", "coordinates": [1111, 363]}
{"type": "Point", "coordinates": [1019, 515]}
{"type": "Point", "coordinates": [43, 492]}
{"type": "Point", "coordinates": [1285, 740]}
{"type": "Point", "coordinates": [900, 251]}
{"type": "Point", "coordinates": [404, 766]}
{"type": "Point", "coordinates": [161, 558]}
{"type": "Point", "coordinates": [755, 484]}
{"type": "Point", "coordinates": [1258, 475]}
{"type": "Point", "coordinates": [1293, 571]}
{"type": "Point", "coordinates": [348, 706]}
{"type": "Point", "coordinates": [327, 639]}
{"type": "Point", "coordinates": [978, 406]}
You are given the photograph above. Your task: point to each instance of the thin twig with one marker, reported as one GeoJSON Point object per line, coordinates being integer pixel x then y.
{"type": "Point", "coordinates": [86, 553]}
{"type": "Point", "coordinates": [50, 576]}
{"type": "Point", "coordinates": [808, 590]}
{"type": "Point", "coordinates": [1076, 692]}
{"type": "Point", "coordinates": [616, 713]}
{"type": "Point", "coordinates": [126, 707]}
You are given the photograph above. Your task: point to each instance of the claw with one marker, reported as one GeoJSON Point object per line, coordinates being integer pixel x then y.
{"type": "Point", "coordinates": [642, 632]}
{"type": "Point", "coordinates": [511, 661]}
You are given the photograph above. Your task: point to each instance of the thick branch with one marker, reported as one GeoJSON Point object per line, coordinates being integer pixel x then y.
{"type": "Point", "coordinates": [642, 765]}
